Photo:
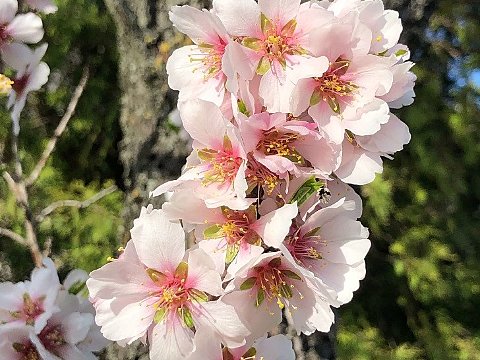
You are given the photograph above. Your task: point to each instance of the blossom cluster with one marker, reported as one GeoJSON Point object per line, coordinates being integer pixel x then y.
{"type": "Point", "coordinates": [42, 319]}
{"type": "Point", "coordinates": [287, 104]}
{"type": "Point", "coordinates": [30, 73]}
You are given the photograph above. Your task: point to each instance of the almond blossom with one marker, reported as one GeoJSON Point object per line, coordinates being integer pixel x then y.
{"type": "Point", "coordinates": [159, 291]}
{"type": "Point", "coordinates": [265, 287]}
{"type": "Point", "coordinates": [31, 302]}
{"type": "Point", "coordinates": [21, 28]}
{"type": "Point", "coordinates": [215, 171]}
{"type": "Point", "coordinates": [288, 146]}
{"type": "Point", "coordinates": [231, 237]}
{"type": "Point", "coordinates": [277, 347]}
{"type": "Point", "coordinates": [32, 74]}
{"type": "Point", "coordinates": [275, 39]}
{"type": "Point", "coordinates": [196, 70]}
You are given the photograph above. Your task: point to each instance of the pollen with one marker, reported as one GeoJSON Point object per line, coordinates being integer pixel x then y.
{"type": "Point", "coordinates": [282, 144]}
{"type": "Point", "coordinates": [5, 84]}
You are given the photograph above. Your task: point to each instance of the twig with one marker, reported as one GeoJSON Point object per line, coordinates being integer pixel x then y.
{"type": "Point", "coordinates": [13, 235]}
{"type": "Point", "coordinates": [297, 342]}
{"type": "Point", "coordinates": [74, 203]}
{"type": "Point", "coordinates": [60, 129]}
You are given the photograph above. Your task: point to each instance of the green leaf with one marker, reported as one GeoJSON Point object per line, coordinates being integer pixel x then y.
{"type": "Point", "coordinates": [213, 232]}
{"type": "Point", "coordinates": [248, 284]}
{"type": "Point", "coordinates": [309, 188]}
{"type": "Point", "coordinates": [232, 252]}
{"type": "Point", "coordinates": [182, 270]}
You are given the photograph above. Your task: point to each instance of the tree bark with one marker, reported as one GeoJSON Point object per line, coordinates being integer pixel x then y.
{"type": "Point", "coordinates": [151, 152]}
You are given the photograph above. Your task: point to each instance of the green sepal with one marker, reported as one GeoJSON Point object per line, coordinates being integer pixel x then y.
{"type": "Point", "coordinates": [213, 232]}
{"type": "Point", "coordinates": [156, 276]}
{"type": "Point", "coordinates": [182, 270]}
{"type": "Point", "coordinates": [266, 24]}
{"type": "Point", "coordinates": [242, 107]}
{"type": "Point", "coordinates": [160, 315]}
{"type": "Point", "coordinates": [316, 97]}
{"type": "Point", "coordinates": [248, 284]}
{"type": "Point", "coordinates": [252, 43]}
{"type": "Point", "coordinates": [250, 354]}
{"type": "Point", "coordinates": [289, 28]}
{"type": "Point", "coordinates": [334, 104]}
{"type": "Point", "coordinates": [292, 275]}
{"type": "Point", "coordinates": [198, 295]}
{"type": "Point", "coordinates": [187, 317]}
{"type": "Point", "coordinates": [232, 252]}
{"type": "Point", "coordinates": [286, 291]}
{"type": "Point", "coordinates": [260, 298]}
{"type": "Point", "coordinates": [401, 52]}
{"type": "Point", "coordinates": [263, 66]}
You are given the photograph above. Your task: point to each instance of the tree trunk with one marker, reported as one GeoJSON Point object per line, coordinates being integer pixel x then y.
{"type": "Point", "coordinates": [151, 152]}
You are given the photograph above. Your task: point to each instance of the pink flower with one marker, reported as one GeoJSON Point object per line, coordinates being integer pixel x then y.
{"type": "Point", "coordinates": [347, 96]}
{"type": "Point", "coordinates": [196, 70]}
{"type": "Point", "coordinates": [329, 247]}
{"type": "Point", "coordinates": [32, 302]}
{"type": "Point", "coordinates": [385, 25]}
{"type": "Point", "coordinates": [215, 171]}
{"type": "Point", "coordinates": [19, 342]}
{"type": "Point", "coordinates": [288, 146]}
{"type": "Point", "coordinates": [22, 28]}
{"type": "Point", "coordinates": [362, 155]}
{"type": "Point", "coordinates": [32, 74]}
{"type": "Point", "coordinates": [271, 283]}
{"type": "Point", "coordinates": [277, 347]}
{"type": "Point", "coordinates": [159, 291]}
{"type": "Point", "coordinates": [231, 237]}
{"type": "Point", "coordinates": [45, 6]}
{"type": "Point", "coordinates": [275, 39]}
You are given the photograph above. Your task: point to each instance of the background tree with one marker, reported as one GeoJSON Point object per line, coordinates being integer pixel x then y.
{"type": "Point", "coordinates": [421, 294]}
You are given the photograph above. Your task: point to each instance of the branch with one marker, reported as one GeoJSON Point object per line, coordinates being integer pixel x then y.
{"type": "Point", "coordinates": [13, 235]}
{"type": "Point", "coordinates": [74, 203]}
{"type": "Point", "coordinates": [60, 129]}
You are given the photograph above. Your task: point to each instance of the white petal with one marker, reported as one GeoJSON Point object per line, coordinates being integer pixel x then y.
{"type": "Point", "coordinates": [241, 18]}
{"type": "Point", "coordinates": [160, 243]}
{"type": "Point", "coordinates": [274, 227]}
{"type": "Point", "coordinates": [8, 9]}
{"type": "Point", "coordinates": [26, 28]}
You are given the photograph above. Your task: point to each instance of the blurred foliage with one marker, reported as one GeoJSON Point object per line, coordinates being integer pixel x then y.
{"type": "Point", "coordinates": [86, 157]}
{"type": "Point", "coordinates": [421, 297]}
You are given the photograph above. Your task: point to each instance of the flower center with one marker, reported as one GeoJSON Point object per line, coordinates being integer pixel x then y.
{"type": "Point", "coordinates": [210, 59]}
{"type": "Point", "coordinates": [222, 165]}
{"type": "Point", "coordinates": [27, 351]}
{"type": "Point", "coordinates": [20, 84]}
{"type": "Point", "coordinates": [5, 84]}
{"type": "Point", "coordinates": [173, 294]}
{"type": "Point", "coordinates": [30, 311]}
{"type": "Point", "coordinates": [282, 144]}
{"type": "Point", "coordinates": [272, 283]}
{"type": "Point", "coordinates": [5, 37]}
{"type": "Point", "coordinates": [304, 248]}
{"type": "Point", "coordinates": [333, 85]}
{"type": "Point", "coordinates": [52, 337]}
{"type": "Point", "coordinates": [259, 175]}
